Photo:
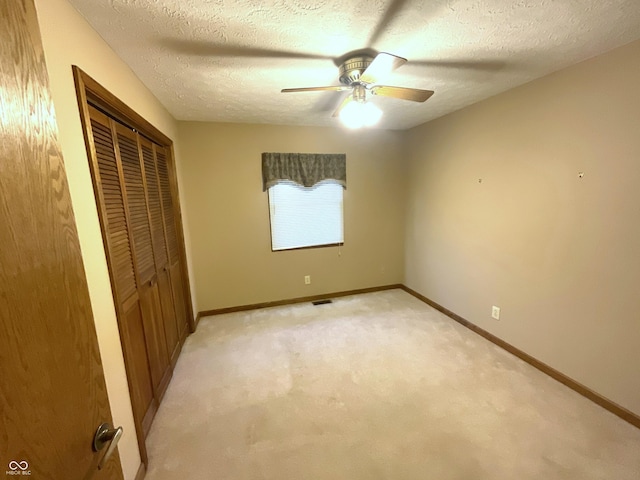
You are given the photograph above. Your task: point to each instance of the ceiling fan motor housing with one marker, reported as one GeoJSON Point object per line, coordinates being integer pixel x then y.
{"type": "Point", "coordinates": [352, 68]}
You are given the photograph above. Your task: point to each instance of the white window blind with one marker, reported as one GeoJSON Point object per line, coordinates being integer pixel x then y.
{"type": "Point", "coordinates": [305, 216]}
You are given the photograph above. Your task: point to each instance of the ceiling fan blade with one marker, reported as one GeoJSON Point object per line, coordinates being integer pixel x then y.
{"type": "Point", "coordinates": [464, 64]}
{"type": "Point", "coordinates": [383, 64]}
{"type": "Point", "coordinates": [412, 94]}
{"type": "Point", "coordinates": [212, 49]}
{"type": "Point", "coordinates": [344, 103]}
{"type": "Point", "coordinates": [327, 103]}
{"type": "Point", "coordinates": [387, 19]}
{"type": "Point", "coordinates": [337, 88]}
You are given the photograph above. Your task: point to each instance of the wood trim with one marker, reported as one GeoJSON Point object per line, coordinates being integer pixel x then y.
{"type": "Point", "coordinates": [114, 107]}
{"type": "Point", "coordinates": [586, 392]}
{"type": "Point", "coordinates": [141, 473]}
{"type": "Point", "coordinates": [291, 301]}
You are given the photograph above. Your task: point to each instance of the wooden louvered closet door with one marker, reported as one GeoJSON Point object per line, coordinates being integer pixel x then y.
{"type": "Point", "coordinates": [117, 236]}
{"type": "Point", "coordinates": [134, 190]}
{"type": "Point", "coordinates": [135, 198]}
{"type": "Point", "coordinates": [169, 316]}
{"type": "Point", "coordinates": [175, 269]}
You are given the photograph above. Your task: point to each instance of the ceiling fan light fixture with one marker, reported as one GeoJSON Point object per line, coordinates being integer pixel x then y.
{"type": "Point", "coordinates": [360, 114]}
{"type": "Point", "coordinates": [359, 73]}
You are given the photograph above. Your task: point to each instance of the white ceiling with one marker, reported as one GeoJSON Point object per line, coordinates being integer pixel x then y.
{"type": "Point", "coordinates": [226, 61]}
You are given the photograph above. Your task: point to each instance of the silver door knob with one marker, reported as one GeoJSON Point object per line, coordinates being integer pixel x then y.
{"type": "Point", "coordinates": [106, 434]}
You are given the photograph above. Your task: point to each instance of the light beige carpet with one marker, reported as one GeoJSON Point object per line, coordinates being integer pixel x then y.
{"type": "Point", "coordinates": [376, 386]}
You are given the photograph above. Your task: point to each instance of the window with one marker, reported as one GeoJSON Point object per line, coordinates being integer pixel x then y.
{"type": "Point", "coordinates": [305, 216]}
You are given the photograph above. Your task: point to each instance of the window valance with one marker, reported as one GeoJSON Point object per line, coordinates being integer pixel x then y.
{"type": "Point", "coordinates": [305, 169]}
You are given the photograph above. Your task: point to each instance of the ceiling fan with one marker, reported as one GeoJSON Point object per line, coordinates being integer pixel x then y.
{"type": "Point", "coordinates": [359, 73]}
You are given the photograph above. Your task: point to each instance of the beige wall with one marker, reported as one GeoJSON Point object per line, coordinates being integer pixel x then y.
{"type": "Point", "coordinates": [229, 215]}
{"type": "Point", "coordinates": [558, 253]}
{"type": "Point", "coordinates": [68, 40]}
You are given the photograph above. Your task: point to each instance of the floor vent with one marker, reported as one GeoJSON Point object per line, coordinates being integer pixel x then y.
{"type": "Point", "coordinates": [322, 302]}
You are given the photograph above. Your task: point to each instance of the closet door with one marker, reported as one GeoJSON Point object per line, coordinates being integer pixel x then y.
{"type": "Point", "coordinates": [135, 200]}
{"type": "Point", "coordinates": [160, 250]}
{"type": "Point", "coordinates": [175, 267]}
{"type": "Point", "coordinates": [135, 190]}
{"type": "Point", "coordinates": [117, 237]}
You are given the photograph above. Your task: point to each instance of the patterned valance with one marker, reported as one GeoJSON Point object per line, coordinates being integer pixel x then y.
{"type": "Point", "coordinates": [305, 169]}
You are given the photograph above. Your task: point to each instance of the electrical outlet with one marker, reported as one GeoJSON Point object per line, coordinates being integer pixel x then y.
{"type": "Point", "coordinates": [307, 279]}
{"type": "Point", "coordinates": [495, 312]}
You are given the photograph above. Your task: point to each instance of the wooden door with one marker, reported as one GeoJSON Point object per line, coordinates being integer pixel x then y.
{"type": "Point", "coordinates": [137, 212]}
{"type": "Point", "coordinates": [175, 266]}
{"type": "Point", "coordinates": [160, 249]}
{"type": "Point", "coordinates": [53, 394]}
{"type": "Point", "coordinates": [117, 238]}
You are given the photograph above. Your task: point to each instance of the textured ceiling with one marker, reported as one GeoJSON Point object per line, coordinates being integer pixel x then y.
{"type": "Point", "coordinates": [226, 61]}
